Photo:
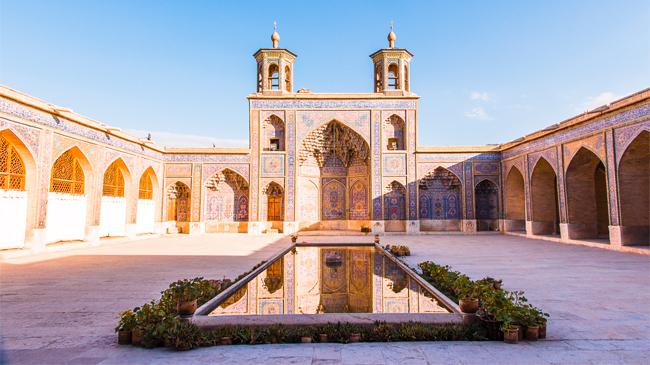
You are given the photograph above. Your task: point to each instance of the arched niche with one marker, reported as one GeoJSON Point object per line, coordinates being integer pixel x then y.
{"type": "Point", "coordinates": [544, 199]}
{"type": "Point", "coordinates": [515, 201]}
{"type": "Point", "coordinates": [634, 191]}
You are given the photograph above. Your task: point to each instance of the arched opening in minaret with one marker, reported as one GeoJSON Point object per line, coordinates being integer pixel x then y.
{"type": "Point", "coordinates": [393, 76]}
{"type": "Point", "coordinates": [333, 179]}
{"type": "Point", "coordinates": [274, 77]}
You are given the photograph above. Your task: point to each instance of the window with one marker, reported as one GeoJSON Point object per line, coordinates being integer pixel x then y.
{"type": "Point", "coordinates": [67, 175]}
{"type": "Point", "coordinates": [274, 145]}
{"type": "Point", "coordinates": [113, 181]}
{"type": "Point", "coordinates": [274, 77]}
{"type": "Point", "coordinates": [393, 77]}
{"type": "Point", "coordinates": [287, 79]}
{"type": "Point", "coordinates": [259, 77]}
{"type": "Point", "coordinates": [392, 144]}
{"type": "Point", "coordinates": [146, 187]}
{"type": "Point", "coordinates": [12, 169]}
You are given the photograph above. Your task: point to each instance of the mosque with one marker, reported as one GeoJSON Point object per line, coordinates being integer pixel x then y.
{"type": "Point", "coordinates": [318, 161]}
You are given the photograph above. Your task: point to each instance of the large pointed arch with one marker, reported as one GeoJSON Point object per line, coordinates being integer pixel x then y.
{"type": "Point", "coordinates": [17, 190]}
{"type": "Point", "coordinates": [395, 207]}
{"type": "Point", "coordinates": [440, 200]}
{"type": "Point", "coordinates": [178, 197]}
{"type": "Point", "coordinates": [116, 191]}
{"type": "Point", "coordinates": [515, 201]}
{"type": "Point", "coordinates": [71, 183]}
{"type": "Point", "coordinates": [545, 213]}
{"type": "Point", "coordinates": [117, 179]}
{"type": "Point", "coordinates": [148, 202]}
{"type": "Point", "coordinates": [586, 182]}
{"type": "Point", "coordinates": [486, 196]}
{"type": "Point", "coordinates": [633, 182]}
{"type": "Point", "coordinates": [226, 201]}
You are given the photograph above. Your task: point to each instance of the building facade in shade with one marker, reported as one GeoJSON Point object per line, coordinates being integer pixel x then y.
{"type": "Point", "coordinates": [322, 162]}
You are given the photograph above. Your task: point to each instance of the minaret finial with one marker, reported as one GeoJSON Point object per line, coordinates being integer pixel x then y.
{"type": "Point", "coordinates": [275, 38]}
{"type": "Point", "coordinates": [391, 36]}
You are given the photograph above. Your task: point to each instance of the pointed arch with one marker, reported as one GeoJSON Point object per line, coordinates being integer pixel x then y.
{"type": "Point", "coordinates": [17, 186]}
{"type": "Point", "coordinates": [274, 203]}
{"type": "Point", "coordinates": [287, 78]}
{"type": "Point", "coordinates": [273, 132]}
{"type": "Point", "coordinates": [633, 182]}
{"type": "Point", "coordinates": [544, 199]}
{"type": "Point", "coordinates": [515, 200]}
{"type": "Point", "coordinates": [226, 197]}
{"type": "Point", "coordinates": [117, 178]}
{"type": "Point", "coordinates": [148, 201]}
{"type": "Point", "coordinates": [588, 212]}
{"type": "Point", "coordinates": [439, 195]}
{"type": "Point", "coordinates": [178, 196]}
{"type": "Point", "coordinates": [486, 195]}
{"type": "Point", "coordinates": [395, 207]}
{"type": "Point", "coordinates": [67, 206]}
{"type": "Point", "coordinates": [274, 77]}
{"type": "Point", "coordinates": [394, 133]}
{"type": "Point", "coordinates": [393, 77]}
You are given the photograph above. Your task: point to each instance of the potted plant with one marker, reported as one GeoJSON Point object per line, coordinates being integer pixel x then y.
{"type": "Point", "coordinates": [322, 337]}
{"type": "Point", "coordinates": [468, 292]}
{"type": "Point", "coordinates": [125, 327]}
{"type": "Point", "coordinates": [355, 337]}
{"type": "Point", "coordinates": [305, 334]}
{"type": "Point", "coordinates": [185, 293]}
{"type": "Point", "coordinates": [510, 333]}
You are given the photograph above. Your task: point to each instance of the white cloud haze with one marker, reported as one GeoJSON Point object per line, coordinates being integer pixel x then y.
{"type": "Point", "coordinates": [481, 96]}
{"type": "Point", "coordinates": [478, 113]}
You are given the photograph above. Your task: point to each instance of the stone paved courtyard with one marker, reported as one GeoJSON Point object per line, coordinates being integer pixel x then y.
{"type": "Point", "coordinates": [62, 308]}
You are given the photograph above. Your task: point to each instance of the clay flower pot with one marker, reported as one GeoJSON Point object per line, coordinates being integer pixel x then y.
{"type": "Point", "coordinates": [124, 337]}
{"type": "Point", "coordinates": [355, 337]}
{"type": "Point", "coordinates": [226, 340]}
{"type": "Point", "coordinates": [532, 333]}
{"type": "Point", "coordinates": [323, 337]}
{"type": "Point", "coordinates": [511, 335]}
{"type": "Point", "coordinates": [305, 339]}
{"type": "Point", "coordinates": [136, 336]}
{"type": "Point", "coordinates": [468, 305]}
{"type": "Point", "coordinates": [542, 332]}
{"type": "Point", "coordinates": [185, 308]}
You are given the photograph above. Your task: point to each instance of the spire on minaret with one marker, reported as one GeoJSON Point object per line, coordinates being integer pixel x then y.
{"type": "Point", "coordinates": [391, 36]}
{"type": "Point", "coordinates": [275, 37]}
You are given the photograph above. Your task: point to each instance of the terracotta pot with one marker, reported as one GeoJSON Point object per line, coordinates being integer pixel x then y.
{"type": "Point", "coordinates": [532, 333]}
{"type": "Point", "coordinates": [355, 337]}
{"type": "Point", "coordinates": [322, 337]}
{"type": "Point", "coordinates": [511, 335]}
{"type": "Point", "coordinates": [124, 337]}
{"type": "Point", "coordinates": [542, 332]}
{"type": "Point", "coordinates": [226, 341]}
{"type": "Point", "coordinates": [185, 308]}
{"type": "Point", "coordinates": [136, 336]}
{"type": "Point", "coordinates": [468, 305]}
{"type": "Point", "coordinates": [305, 339]}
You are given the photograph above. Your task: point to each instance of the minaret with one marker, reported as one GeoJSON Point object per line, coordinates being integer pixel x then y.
{"type": "Point", "coordinates": [274, 67]}
{"type": "Point", "coordinates": [391, 69]}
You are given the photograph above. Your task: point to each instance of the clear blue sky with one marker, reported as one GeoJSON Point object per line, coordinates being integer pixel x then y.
{"type": "Point", "coordinates": [486, 71]}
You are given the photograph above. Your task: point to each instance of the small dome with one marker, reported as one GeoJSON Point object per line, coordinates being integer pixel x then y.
{"type": "Point", "coordinates": [391, 39]}
{"type": "Point", "coordinates": [275, 37]}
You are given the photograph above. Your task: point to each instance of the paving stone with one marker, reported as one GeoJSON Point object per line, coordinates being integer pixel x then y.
{"type": "Point", "coordinates": [63, 308]}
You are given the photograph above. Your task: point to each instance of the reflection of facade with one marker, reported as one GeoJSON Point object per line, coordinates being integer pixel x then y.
{"type": "Point", "coordinates": [331, 280]}
{"type": "Point", "coordinates": [322, 161]}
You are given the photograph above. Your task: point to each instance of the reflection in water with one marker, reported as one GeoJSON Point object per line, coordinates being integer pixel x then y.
{"type": "Point", "coordinates": [331, 279]}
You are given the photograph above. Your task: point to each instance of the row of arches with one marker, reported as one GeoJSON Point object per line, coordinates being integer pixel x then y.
{"type": "Point", "coordinates": [587, 202]}
{"type": "Point", "coordinates": [68, 199]}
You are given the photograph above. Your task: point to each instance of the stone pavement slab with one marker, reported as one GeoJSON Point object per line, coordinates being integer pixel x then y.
{"type": "Point", "coordinates": [61, 308]}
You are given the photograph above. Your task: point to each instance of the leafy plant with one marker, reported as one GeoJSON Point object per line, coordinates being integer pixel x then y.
{"type": "Point", "coordinates": [127, 321]}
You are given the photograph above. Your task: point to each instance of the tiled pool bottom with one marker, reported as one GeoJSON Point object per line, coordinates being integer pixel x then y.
{"type": "Point", "coordinates": [325, 283]}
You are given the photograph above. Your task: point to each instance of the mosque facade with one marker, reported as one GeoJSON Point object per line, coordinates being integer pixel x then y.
{"type": "Point", "coordinates": [320, 161]}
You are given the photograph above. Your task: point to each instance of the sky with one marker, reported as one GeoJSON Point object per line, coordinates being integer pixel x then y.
{"type": "Point", "coordinates": [486, 71]}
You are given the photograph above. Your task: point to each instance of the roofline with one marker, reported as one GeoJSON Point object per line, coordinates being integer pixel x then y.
{"type": "Point", "coordinates": [341, 96]}
{"type": "Point", "coordinates": [590, 115]}
{"type": "Point", "coordinates": [275, 49]}
{"type": "Point", "coordinates": [391, 50]}
{"type": "Point", "coordinates": [457, 149]}
{"type": "Point", "coordinates": [209, 150]}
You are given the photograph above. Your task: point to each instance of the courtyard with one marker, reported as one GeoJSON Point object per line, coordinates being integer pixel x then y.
{"type": "Point", "coordinates": [61, 308]}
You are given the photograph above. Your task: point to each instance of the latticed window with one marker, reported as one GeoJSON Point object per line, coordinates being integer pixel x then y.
{"type": "Point", "coordinates": [12, 169]}
{"type": "Point", "coordinates": [146, 187]}
{"type": "Point", "coordinates": [113, 181]}
{"type": "Point", "coordinates": [67, 175]}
